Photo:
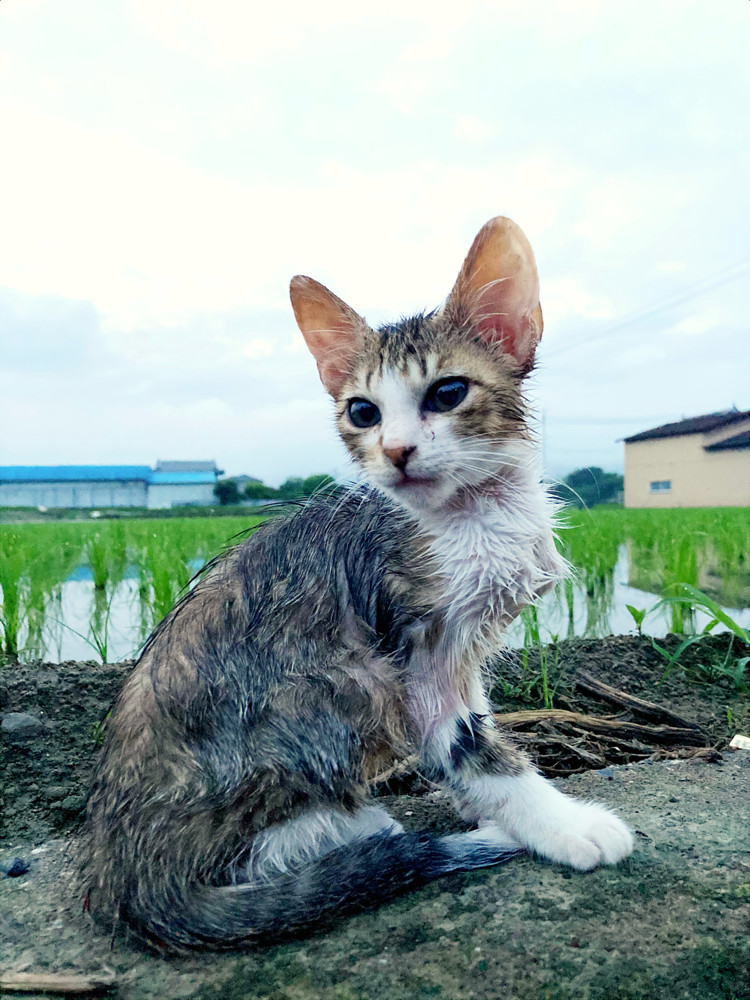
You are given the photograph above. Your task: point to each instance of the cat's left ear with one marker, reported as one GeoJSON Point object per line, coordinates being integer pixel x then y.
{"type": "Point", "coordinates": [330, 328]}
{"type": "Point", "coordinates": [497, 291]}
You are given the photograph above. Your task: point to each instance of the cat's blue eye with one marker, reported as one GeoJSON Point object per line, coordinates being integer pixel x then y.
{"type": "Point", "coordinates": [363, 413]}
{"type": "Point", "coordinates": [446, 394]}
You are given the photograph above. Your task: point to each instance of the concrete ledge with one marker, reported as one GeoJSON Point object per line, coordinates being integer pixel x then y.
{"type": "Point", "coordinates": [668, 924]}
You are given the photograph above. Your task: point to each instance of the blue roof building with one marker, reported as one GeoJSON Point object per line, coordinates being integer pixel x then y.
{"type": "Point", "coordinates": [170, 484]}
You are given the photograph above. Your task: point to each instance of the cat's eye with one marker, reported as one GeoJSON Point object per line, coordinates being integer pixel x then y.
{"type": "Point", "coordinates": [446, 394]}
{"type": "Point", "coordinates": [363, 413]}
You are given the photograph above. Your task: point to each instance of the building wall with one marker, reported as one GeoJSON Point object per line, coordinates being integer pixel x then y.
{"type": "Point", "coordinates": [698, 478]}
{"type": "Point", "coordinates": [177, 494]}
{"type": "Point", "coordinates": [73, 494]}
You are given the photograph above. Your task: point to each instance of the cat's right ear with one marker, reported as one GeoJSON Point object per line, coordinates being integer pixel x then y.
{"type": "Point", "coordinates": [330, 328]}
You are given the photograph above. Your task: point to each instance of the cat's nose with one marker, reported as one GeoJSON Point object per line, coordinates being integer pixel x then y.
{"type": "Point", "coordinates": [399, 455]}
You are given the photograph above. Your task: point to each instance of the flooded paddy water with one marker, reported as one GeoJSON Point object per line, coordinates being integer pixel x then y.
{"type": "Point", "coordinates": [96, 590]}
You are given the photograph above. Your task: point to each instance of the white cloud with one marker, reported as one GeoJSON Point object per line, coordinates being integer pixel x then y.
{"type": "Point", "coordinates": [259, 348]}
{"type": "Point", "coordinates": [472, 128]}
{"type": "Point", "coordinates": [567, 297]}
{"type": "Point", "coordinates": [168, 166]}
{"type": "Point", "coordinates": [148, 238]}
{"type": "Point", "coordinates": [695, 325]}
{"type": "Point", "coordinates": [670, 266]}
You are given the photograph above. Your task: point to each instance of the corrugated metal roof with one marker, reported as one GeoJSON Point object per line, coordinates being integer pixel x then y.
{"type": "Point", "coordinates": [100, 474]}
{"type": "Point", "coordinates": [73, 473]}
{"type": "Point", "coordinates": [201, 465]}
{"type": "Point", "coordinates": [693, 425]}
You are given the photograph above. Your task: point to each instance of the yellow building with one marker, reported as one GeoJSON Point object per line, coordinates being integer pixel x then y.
{"type": "Point", "coordinates": [698, 462]}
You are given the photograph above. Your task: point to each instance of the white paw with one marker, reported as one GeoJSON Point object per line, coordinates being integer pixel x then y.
{"type": "Point", "coordinates": [542, 819]}
{"type": "Point", "coordinates": [584, 836]}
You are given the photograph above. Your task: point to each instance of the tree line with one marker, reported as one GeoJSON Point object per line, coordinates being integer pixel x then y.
{"type": "Point", "coordinates": [228, 492]}
{"type": "Point", "coordinates": [589, 487]}
{"type": "Point", "coordinates": [580, 488]}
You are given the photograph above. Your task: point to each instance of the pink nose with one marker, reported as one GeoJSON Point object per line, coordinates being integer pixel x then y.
{"type": "Point", "coordinates": [399, 455]}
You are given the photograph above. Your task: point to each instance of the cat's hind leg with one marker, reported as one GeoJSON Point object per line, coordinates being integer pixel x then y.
{"type": "Point", "coordinates": [286, 847]}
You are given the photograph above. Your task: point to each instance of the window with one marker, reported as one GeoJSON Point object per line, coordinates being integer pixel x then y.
{"type": "Point", "coordinates": [660, 486]}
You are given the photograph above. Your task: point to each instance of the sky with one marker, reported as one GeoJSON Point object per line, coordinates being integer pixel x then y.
{"type": "Point", "coordinates": [167, 165]}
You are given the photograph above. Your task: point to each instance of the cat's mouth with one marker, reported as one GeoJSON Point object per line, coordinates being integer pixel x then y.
{"type": "Point", "coordinates": [408, 480]}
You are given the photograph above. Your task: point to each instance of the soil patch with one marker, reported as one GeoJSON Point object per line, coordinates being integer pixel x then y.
{"type": "Point", "coordinates": [46, 769]}
{"type": "Point", "coordinates": [698, 687]}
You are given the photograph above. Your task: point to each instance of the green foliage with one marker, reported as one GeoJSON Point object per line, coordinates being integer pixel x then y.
{"type": "Point", "coordinates": [700, 547]}
{"type": "Point", "coordinates": [591, 486]}
{"type": "Point", "coordinates": [317, 484]}
{"type": "Point", "coordinates": [259, 491]}
{"type": "Point", "coordinates": [699, 560]}
{"type": "Point", "coordinates": [537, 686]}
{"type": "Point", "coordinates": [227, 492]}
{"type": "Point", "coordinates": [685, 595]}
{"type": "Point", "coordinates": [292, 488]}
{"type": "Point", "coordinates": [37, 559]}
{"type": "Point", "coordinates": [637, 614]}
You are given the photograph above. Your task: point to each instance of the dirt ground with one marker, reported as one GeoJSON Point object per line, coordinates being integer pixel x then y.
{"type": "Point", "coordinates": [666, 924]}
{"type": "Point", "coordinates": [45, 775]}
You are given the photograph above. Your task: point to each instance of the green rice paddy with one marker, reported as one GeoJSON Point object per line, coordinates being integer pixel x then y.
{"type": "Point", "coordinates": [153, 560]}
{"type": "Point", "coordinates": [708, 548]}
{"type": "Point", "coordinates": [98, 589]}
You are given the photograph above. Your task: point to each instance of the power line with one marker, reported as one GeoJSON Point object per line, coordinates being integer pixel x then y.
{"type": "Point", "coordinates": [716, 280]}
{"type": "Point", "coordinates": [608, 420]}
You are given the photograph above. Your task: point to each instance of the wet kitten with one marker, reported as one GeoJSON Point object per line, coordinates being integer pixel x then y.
{"type": "Point", "coordinates": [231, 798]}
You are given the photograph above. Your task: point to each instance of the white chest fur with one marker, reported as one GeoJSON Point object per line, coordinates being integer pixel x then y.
{"type": "Point", "coordinates": [496, 554]}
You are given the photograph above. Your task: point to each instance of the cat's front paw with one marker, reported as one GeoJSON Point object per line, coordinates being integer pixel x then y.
{"type": "Point", "coordinates": [584, 836]}
{"type": "Point", "coordinates": [545, 821]}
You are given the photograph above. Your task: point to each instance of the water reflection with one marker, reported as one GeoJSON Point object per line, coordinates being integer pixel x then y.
{"type": "Point", "coordinates": [83, 622]}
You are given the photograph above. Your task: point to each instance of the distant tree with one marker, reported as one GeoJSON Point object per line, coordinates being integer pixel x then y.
{"type": "Point", "coordinates": [226, 492]}
{"type": "Point", "coordinates": [314, 484]}
{"type": "Point", "coordinates": [587, 487]}
{"type": "Point", "coordinates": [259, 491]}
{"type": "Point", "coordinates": [291, 488]}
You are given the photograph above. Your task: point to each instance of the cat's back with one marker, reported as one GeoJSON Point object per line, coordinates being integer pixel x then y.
{"type": "Point", "coordinates": [344, 574]}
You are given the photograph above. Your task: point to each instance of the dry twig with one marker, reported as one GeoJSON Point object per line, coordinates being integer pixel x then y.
{"type": "Point", "coordinates": [648, 709]}
{"type": "Point", "coordinates": [613, 728]}
{"type": "Point", "coordinates": [55, 982]}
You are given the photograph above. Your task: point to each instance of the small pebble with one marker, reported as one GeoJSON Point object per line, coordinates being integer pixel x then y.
{"type": "Point", "coordinates": [15, 868]}
{"type": "Point", "coordinates": [21, 724]}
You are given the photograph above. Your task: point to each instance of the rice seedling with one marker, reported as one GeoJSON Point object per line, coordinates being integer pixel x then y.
{"type": "Point", "coordinates": [708, 549]}
{"type": "Point", "coordinates": [36, 560]}
{"type": "Point", "coordinates": [144, 565]}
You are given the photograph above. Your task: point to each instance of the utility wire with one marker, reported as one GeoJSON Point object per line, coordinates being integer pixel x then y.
{"type": "Point", "coordinates": [717, 280]}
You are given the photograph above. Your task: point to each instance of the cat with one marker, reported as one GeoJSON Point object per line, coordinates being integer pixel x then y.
{"type": "Point", "coordinates": [230, 801]}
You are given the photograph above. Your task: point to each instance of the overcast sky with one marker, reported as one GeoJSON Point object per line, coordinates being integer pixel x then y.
{"type": "Point", "coordinates": [167, 165]}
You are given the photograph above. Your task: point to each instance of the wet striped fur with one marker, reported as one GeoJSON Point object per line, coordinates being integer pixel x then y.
{"type": "Point", "coordinates": [230, 802]}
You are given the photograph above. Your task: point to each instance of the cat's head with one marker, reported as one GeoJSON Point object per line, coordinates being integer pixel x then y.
{"type": "Point", "coordinates": [431, 407]}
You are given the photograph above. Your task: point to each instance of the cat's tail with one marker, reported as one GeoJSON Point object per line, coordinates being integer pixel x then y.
{"type": "Point", "coordinates": [355, 877]}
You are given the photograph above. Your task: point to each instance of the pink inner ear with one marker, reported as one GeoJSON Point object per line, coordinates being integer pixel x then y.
{"type": "Point", "coordinates": [497, 290]}
{"type": "Point", "coordinates": [515, 326]}
{"type": "Point", "coordinates": [329, 327]}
